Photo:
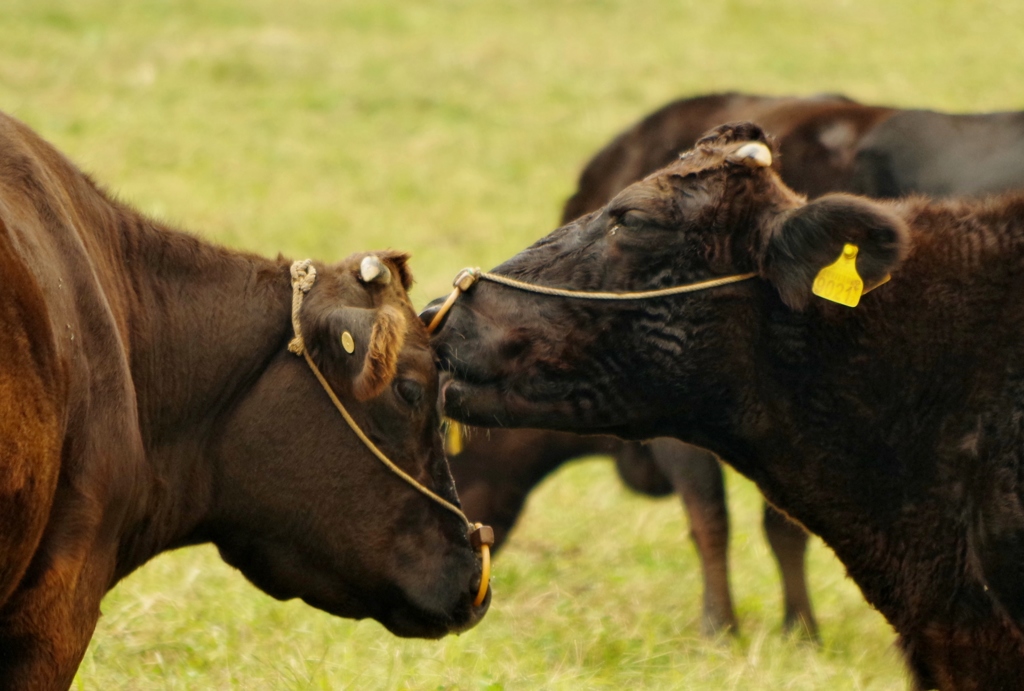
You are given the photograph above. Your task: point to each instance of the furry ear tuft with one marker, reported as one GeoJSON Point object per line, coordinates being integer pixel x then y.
{"type": "Point", "coordinates": [381, 363]}
{"type": "Point", "coordinates": [375, 338]}
{"type": "Point", "coordinates": [806, 239]}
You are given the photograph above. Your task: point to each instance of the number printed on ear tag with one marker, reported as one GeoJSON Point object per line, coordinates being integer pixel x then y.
{"type": "Point", "coordinates": [839, 281]}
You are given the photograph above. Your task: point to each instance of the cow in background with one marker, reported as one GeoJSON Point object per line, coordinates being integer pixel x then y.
{"type": "Point", "coordinates": [826, 143]}
{"type": "Point", "coordinates": [818, 139]}
{"type": "Point", "coordinates": [941, 155]}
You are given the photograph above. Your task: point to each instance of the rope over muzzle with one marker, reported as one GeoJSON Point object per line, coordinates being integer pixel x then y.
{"type": "Point", "coordinates": [464, 280]}
{"type": "Point", "coordinates": [467, 278]}
{"type": "Point", "coordinates": [480, 536]}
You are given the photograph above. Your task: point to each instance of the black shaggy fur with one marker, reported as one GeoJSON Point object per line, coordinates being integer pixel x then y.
{"type": "Point", "coordinates": [894, 430]}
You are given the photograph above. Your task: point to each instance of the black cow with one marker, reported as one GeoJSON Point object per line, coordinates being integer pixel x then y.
{"type": "Point", "coordinates": [941, 154]}
{"type": "Point", "coordinates": [892, 429]}
{"type": "Point", "coordinates": [828, 143]}
{"type": "Point", "coordinates": [148, 401]}
{"type": "Point", "coordinates": [819, 136]}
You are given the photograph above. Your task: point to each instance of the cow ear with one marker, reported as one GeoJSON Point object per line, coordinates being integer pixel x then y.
{"type": "Point", "coordinates": [400, 261]}
{"type": "Point", "coordinates": [364, 344]}
{"type": "Point", "coordinates": [802, 241]}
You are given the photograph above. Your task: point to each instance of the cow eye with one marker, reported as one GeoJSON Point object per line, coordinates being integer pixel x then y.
{"type": "Point", "coordinates": [410, 391]}
{"type": "Point", "coordinates": [633, 218]}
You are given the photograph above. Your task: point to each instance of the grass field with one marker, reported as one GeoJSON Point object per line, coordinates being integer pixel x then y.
{"type": "Point", "coordinates": [455, 129]}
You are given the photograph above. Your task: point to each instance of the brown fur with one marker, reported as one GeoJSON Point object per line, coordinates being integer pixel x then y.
{"type": "Point", "coordinates": [386, 341]}
{"type": "Point", "coordinates": [147, 402]}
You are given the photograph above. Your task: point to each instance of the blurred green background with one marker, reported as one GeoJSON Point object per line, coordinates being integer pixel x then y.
{"type": "Point", "coordinates": [455, 129]}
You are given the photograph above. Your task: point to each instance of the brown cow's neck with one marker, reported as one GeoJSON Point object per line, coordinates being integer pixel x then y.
{"type": "Point", "coordinates": [202, 322]}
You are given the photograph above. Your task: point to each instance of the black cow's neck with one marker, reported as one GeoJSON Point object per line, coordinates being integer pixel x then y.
{"type": "Point", "coordinates": [202, 323]}
{"type": "Point", "coordinates": [851, 418]}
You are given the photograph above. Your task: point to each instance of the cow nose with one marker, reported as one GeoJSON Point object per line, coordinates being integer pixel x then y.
{"type": "Point", "coordinates": [430, 311]}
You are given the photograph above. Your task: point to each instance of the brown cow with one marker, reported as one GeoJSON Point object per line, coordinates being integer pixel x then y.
{"type": "Point", "coordinates": [892, 429]}
{"type": "Point", "coordinates": [148, 402]}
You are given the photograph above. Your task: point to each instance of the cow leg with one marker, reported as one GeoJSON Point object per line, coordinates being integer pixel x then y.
{"type": "Point", "coordinates": [920, 678]}
{"type": "Point", "coordinates": [30, 460]}
{"type": "Point", "coordinates": [698, 480]}
{"type": "Point", "coordinates": [789, 545]}
{"type": "Point", "coordinates": [30, 448]}
{"type": "Point", "coordinates": [46, 625]}
{"type": "Point", "coordinates": [48, 619]}
{"type": "Point", "coordinates": [944, 653]}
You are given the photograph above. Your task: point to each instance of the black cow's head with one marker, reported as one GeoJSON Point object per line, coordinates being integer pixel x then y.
{"type": "Point", "coordinates": [303, 507]}
{"type": "Point", "coordinates": [647, 367]}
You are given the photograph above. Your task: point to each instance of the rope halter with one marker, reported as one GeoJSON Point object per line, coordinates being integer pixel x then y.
{"type": "Point", "coordinates": [468, 277]}
{"type": "Point", "coordinates": [480, 536]}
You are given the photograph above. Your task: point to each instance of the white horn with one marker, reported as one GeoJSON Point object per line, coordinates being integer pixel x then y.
{"type": "Point", "coordinates": [373, 269]}
{"type": "Point", "coordinates": [753, 155]}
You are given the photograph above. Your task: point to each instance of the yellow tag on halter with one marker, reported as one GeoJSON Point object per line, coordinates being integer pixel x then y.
{"type": "Point", "coordinates": [839, 281]}
{"type": "Point", "coordinates": [453, 440]}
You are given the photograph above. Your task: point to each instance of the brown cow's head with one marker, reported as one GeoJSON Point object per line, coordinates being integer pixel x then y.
{"type": "Point", "coordinates": [305, 510]}
{"type": "Point", "coordinates": [648, 367]}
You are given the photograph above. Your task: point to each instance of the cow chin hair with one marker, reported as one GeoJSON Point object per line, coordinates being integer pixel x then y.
{"type": "Point", "coordinates": [386, 340]}
{"type": "Point", "coordinates": [812, 236]}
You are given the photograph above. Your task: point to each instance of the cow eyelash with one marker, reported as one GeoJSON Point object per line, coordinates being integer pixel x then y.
{"type": "Point", "coordinates": [622, 220]}
{"type": "Point", "coordinates": [410, 391]}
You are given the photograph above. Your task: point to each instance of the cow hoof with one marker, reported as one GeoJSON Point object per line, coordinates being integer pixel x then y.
{"type": "Point", "coordinates": [802, 627]}
{"type": "Point", "coordinates": [716, 627]}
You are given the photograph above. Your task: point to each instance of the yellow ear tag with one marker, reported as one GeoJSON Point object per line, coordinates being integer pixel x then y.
{"type": "Point", "coordinates": [347, 343]}
{"type": "Point", "coordinates": [839, 281]}
{"type": "Point", "coordinates": [453, 440]}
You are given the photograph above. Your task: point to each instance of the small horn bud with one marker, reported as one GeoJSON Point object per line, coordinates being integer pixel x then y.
{"type": "Point", "coordinates": [372, 269]}
{"type": "Point", "coordinates": [752, 155]}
